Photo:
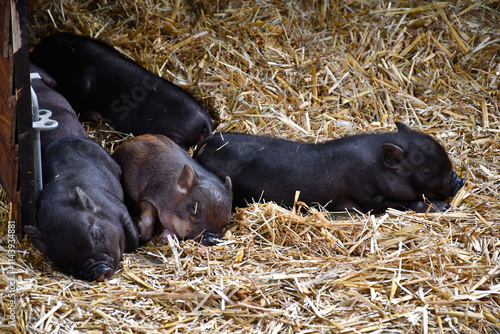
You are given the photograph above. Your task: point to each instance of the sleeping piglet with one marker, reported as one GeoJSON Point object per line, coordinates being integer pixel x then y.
{"type": "Point", "coordinates": [83, 224]}
{"type": "Point", "coordinates": [101, 84]}
{"type": "Point", "coordinates": [48, 98]}
{"type": "Point", "coordinates": [169, 186]}
{"type": "Point", "coordinates": [369, 172]}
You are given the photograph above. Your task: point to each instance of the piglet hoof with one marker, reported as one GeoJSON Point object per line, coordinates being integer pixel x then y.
{"type": "Point", "coordinates": [437, 206]}
{"type": "Point", "coordinates": [165, 234]}
{"type": "Point", "coordinates": [95, 117]}
{"type": "Point", "coordinates": [442, 207]}
{"type": "Point", "coordinates": [429, 206]}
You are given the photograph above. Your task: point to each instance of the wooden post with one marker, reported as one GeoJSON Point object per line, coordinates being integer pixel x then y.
{"type": "Point", "coordinates": [8, 149]}
{"type": "Point", "coordinates": [24, 116]}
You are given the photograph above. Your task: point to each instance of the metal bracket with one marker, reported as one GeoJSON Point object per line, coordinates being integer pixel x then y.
{"type": "Point", "coordinates": [41, 122]}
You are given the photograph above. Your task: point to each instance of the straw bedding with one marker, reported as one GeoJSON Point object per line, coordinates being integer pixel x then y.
{"type": "Point", "coordinates": [308, 71]}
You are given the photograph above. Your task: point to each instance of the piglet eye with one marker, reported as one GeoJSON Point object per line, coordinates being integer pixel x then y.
{"type": "Point", "coordinates": [428, 173]}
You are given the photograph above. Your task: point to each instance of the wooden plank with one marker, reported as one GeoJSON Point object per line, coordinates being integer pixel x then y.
{"type": "Point", "coordinates": [8, 168]}
{"type": "Point", "coordinates": [7, 117]}
{"type": "Point", "coordinates": [4, 27]}
{"type": "Point", "coordinates": [8, 149]}
{"type": "Point", "coordinates": [27, 213]}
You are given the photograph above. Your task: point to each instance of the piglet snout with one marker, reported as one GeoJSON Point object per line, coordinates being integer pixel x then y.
{"type": "Point", "coordinates": [456, 183]}
{"type": "Point", "coordinates": [210, 239]}
{"type": "Point", "coordinates": [101, 273]}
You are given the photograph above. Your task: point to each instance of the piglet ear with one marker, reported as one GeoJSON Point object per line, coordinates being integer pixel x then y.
{"type": "Point", "coordinates": [392, 155]}
{"type": "Point", "coordinates": [402, 127]}
{"type": "Point", "coordinates": [36, 237]}
{"type": "Point", "coordinates": [228, 185]}
{"type": "Point", "coordinates": [187, 180]}
{"type": "Point", "coordinates": [85, 201]}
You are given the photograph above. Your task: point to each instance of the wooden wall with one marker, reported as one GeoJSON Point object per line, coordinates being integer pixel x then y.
{"type": "Point", "coordinates": [16, 135]}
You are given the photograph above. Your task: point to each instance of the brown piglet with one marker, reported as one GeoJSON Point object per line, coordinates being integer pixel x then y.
{"type": "Point", "coordinates": [168, 185]}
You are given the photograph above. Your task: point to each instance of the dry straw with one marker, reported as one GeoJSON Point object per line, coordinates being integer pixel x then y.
{"type": "Point", "coordinates": [308, 71]}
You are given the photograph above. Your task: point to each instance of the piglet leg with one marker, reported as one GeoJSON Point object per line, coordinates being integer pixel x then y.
{"type": "Point", "coordinates": [417, 206]}
{"type": "Point", "coordinates": [148, 215]}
